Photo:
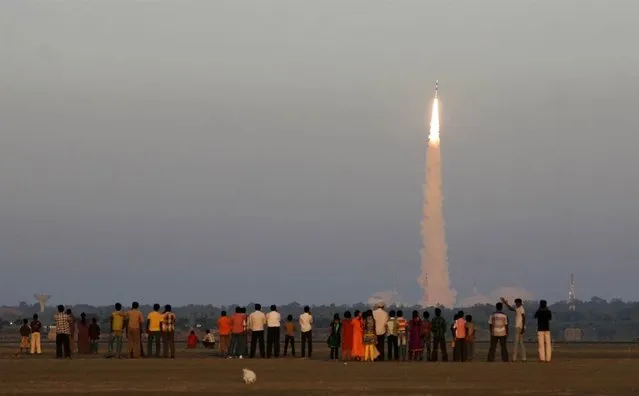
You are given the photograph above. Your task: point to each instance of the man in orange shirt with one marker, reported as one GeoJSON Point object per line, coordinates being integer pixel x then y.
{"type": "Point", "coordinates": [134, 335]}
{"type": "Point", "coordinates": [224, 329]}
{"type": "Point", "coordinates": [238, 334]}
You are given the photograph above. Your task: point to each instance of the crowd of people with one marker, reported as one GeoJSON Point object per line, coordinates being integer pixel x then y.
{"type": "Point", "coordinates": [372, 335]}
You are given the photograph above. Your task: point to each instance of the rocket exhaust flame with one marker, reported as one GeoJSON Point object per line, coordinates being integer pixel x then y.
{"type": "Point", "coordinates": [435, 280]}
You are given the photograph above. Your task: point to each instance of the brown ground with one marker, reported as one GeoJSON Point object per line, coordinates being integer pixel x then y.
{"type": "Point", "coordinates": [575, 370]}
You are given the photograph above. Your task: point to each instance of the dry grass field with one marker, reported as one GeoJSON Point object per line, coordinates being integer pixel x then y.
{"type": "Point", "coordinates": [576, 370]}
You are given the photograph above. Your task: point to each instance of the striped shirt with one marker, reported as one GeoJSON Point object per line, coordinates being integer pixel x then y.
{"type": "Point", "coordinates": [499, 322]}
{"type": "Point", "coordinates": [62, 323]}
{"type": "Point", "coordinates": [168, 322]}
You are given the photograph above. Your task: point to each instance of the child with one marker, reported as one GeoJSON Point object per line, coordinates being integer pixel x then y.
{"type": "Point", "coordinates": [427, 328]}
{"type": "Point", "coordinates": [334, 340]}
{"type": "Point", "coordinates": [470, 338]}
{"type": "Point", "coordinates": [209, 340]}
{"type": "Point", "coordinates": [402, 337]}
{"type": "Point", "coordinates": [94, 335]}
{"type": "Point", "coordinates": [192, 341]}
{"type": "Point", "coordinates": [25, 332]}
{"type": "Point", "coordinates": [36, 326]}
{"type": "Point", "coordinates": [289, 336]}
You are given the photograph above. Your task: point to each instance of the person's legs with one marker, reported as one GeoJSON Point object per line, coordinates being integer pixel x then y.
{"type": "Point", "coordinates": [547, 346]}
{"type": "Point", "coordinates": [428, 347]}
{"type": "Point", "coordinates": [462, 349]}
{"type": "Point", "coordinates": [492, 349]}
{"type": "Point", "coordinates": [118, 345]}
{"type": "Point", "coordinates": [304, 337]}
{"type": "Point", "coordinates": [286, 341]}
{"type": "Point", "coordinates": [66, 344]}
{"type": "Point", "coordinates": [58, 346]}
{"type": "Point", "coordinates": [149, 343]}
{"type": "Point", "coordinates": [269, 342]}
{"type": "Point", "coordinates": [380, 346]}
{"type": "Point", "coordinates": [261, 344]}
{"type": "Point", "coordinates": [470, 350]}
{"type": "Point", "coordinates": [253, 344]}
{"type": "Point", "coordinates": [309, 340]}
{"type": "Point", "coordinates": [293, 346]}
{"type": "Point", "coordinates": [172, 344]}
{"type": "Point", "coordinates": [503, 345]}
{"type": "Point", "coordinates": [276, 342]}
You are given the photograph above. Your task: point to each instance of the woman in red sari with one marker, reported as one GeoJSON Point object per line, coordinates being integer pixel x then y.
{"type": "Point", "coordinates": [347, 336]}
{"type": "Point", "coordinates": [415, 345]}
{"type": "Point", "coordinates": [84, 342]}
{"type": "Point", "coordinates": [357, 325]}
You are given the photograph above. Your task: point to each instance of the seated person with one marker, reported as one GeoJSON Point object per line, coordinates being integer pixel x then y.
{"type": "Point", "coordinates": [192, 341]}
{"type": "Point", "coordinates": [209, 340]}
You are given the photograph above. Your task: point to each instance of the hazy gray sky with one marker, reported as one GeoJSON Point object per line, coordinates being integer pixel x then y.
{"type": "Point", "coordinates": [230, 151]}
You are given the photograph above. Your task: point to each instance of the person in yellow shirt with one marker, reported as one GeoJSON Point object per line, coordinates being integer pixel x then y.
{"type": "Point", "coordinates": [117, 327]}
{"type": "Point", "coordinates": [154, 330]}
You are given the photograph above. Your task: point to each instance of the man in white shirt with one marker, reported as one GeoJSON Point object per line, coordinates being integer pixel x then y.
{"type": "Point", "coordinates": [306, 328]}
{"type": "Point", "coordinates": [381, 318]}
{"type": "Point", "coordinates": [498, 324]}
{"type": "Point", "coordinates": [520, 328]}
{"type": "Point", "coordinates": [256, 323]}
{"type": "Point", "coordinates": [273, 323]}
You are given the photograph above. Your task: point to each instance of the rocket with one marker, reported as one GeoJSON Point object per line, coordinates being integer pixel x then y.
{"type": "Point", "coordinates": [436, 87]}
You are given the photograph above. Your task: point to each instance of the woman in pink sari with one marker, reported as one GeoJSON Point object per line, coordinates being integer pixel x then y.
{"type": "Point", "coordinates": [357, 352]}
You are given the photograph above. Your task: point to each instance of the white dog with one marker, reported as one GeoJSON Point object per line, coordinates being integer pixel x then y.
{"type": "Point", "coordinates": [248, 376]}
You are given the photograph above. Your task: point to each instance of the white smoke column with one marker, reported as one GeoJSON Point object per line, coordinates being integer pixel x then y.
{"type": "Point", "coordinates": [435, 280]}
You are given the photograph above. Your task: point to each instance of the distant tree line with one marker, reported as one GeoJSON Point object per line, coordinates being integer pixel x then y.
{"type": "Point", "coordinates": [597, 319]}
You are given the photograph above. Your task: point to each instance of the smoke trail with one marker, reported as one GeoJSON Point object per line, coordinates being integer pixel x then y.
{"type": "Point", "coordinates": [435, 280]}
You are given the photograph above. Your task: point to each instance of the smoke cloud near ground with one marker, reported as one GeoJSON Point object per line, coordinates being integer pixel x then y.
{"type": "Point", "coordinates": [435, 279]}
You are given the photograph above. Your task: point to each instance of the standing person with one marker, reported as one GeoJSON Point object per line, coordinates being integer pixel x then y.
{"type": "Point", "coordinates": [470, 338]}
{"type": "Point", "coordinates": [415, 347]}
{"type": "Point", "coordinates": [402, 335]}
{"type": "Point", "coordinates": [334, 339]}
{"type": "Point", "coordinates": [256, 323]}
{"type": "Point", "coordinates": [273, 324]}
{"type": "Point", "coordinates": [94, 335]}
{"type": "Point", "coordinates": [25, 333]}
{"type": "Point", "coordinates": [62, 334]}
{"type": "Point", "coordinates": [306, 327]}
{"type": "Point", "coordinates": [461, 331]}
{"type": "Point", "coordinates": [439, 336]}
{"type": "Point", "coordinates": [357, 325]}
{"type": "Point", "coordinates": [72, 334]}
{"type": "Point", "coordinates": [84, 342]}
{"type": "Point", "coordinates": [498, 325]}
{"type": "Point", "coordinates": [36, 327]}
{"type": "Point", "coordinates": [520, 328]}
{"type": "Point", "coordinates": [246, 332]}
{"type": "Point", "coordinates": [427, 329]}
{"type": "Point", "coordinates": [370, 337]}
{"type": "Point", "coordinates": [116, 322]}
{"type": "Point", "coordinates": [381, 318]}
{"type": "Point", "coordinates": [452, 334]}
{"type": "Point", "coordinates": [289, 337]}
{"type": "Point", "coordinates": [544, 316]}
{"type": "Point", "coordinates": [224, 329]}
{"type": "Point", "coordinates": [168, 332]}
{"type": "Point", "coordinates": [347, 336]}
{"type": "Point", "coordinates": [238, 335]}
{"type": "Point", "coordinates": [133, 331]}
{"type": "Point", "coordinates": [391, 337]}
{"type": "Point", "coordinates": [154, 331]}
